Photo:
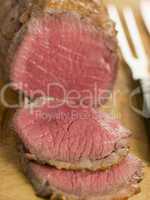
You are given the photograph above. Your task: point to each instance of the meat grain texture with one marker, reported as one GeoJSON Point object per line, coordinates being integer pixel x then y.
{"type": "Point", "coordinates": [62, 49]}
{"type": "Point", "coordinates": [119, 182]}
{"type": "Point", "coordinates": [71, 138]}
{"type": "Point", "coordinates": [59, 48]}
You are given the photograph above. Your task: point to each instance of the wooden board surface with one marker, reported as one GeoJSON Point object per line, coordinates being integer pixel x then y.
{"type": "Point", "coordinates": [14, 185]}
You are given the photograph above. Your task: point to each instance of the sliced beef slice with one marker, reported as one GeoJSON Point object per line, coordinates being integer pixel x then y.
{"type": "Point", "coordinates": [14, 13]}
{"type": "Point", "coordinates": [65, 54]}
{"type": "Point", "coordinates": [118, 183]}
{"type": "Point", "coordinates": [56, 133]}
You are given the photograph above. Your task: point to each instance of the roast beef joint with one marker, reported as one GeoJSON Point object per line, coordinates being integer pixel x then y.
{"type": "Point", "coordinates": [65, 51]}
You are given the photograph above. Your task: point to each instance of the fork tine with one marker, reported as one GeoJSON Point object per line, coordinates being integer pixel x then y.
{"type": "Point", "coordinates": [145, 11]}
{"type": "Point", "coordinates": [114, 14]}
{"type": "Point", "coordinates": [138, 67]}
{"type": "Point", "coordinates": [135, 35]}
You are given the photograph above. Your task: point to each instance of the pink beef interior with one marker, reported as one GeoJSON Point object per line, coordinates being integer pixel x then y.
{"type": "Point", "coordinates": [63, 133]}
{"type": "Point", "coordinates": [128, 172]}
{"type": "Point", "coordinates": [64, 55]}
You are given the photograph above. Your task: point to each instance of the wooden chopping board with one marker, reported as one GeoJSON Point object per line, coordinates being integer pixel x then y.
{"type": "Point", "coordinates": [15, 186]}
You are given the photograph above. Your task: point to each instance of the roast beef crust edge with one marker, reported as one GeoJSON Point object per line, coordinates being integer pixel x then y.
{"type": "Point", "coordinates": [102, 164]}
{"type": "Point", "coordinates": [43, 189]}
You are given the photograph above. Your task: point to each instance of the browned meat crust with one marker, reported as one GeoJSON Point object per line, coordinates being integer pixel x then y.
{"type": "Point", "coordinates": [111, 160]}
{"type": "Point", "coordinates": [43, 189]}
